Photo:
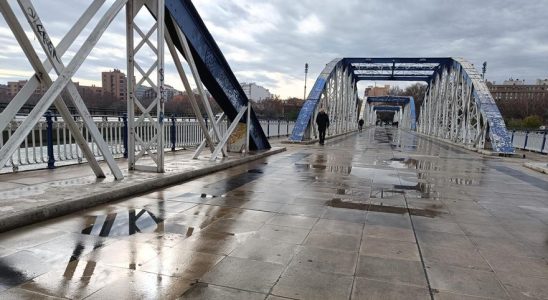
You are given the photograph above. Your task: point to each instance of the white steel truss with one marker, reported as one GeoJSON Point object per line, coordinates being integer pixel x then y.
{"type": "Point", "coordinates": [62, 83]}
{"type": "Point", "coordinates": [139, 115]}
{"type": "Point", "coordinates": [450, 111]}
{"type": "Point", "coordinates": [339, 99]}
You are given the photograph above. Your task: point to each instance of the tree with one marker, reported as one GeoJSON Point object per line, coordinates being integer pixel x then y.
{"type": "Point", "coordinates": [532, 122]}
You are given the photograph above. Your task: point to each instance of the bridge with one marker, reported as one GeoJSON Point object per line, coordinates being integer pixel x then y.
{"type": "Point", "coordinates": [420, 211]}
{"type": "Point", "coordinates": [457, 108]}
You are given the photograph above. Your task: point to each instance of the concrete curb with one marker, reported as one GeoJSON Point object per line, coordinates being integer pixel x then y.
{"type": "Point", "coordinates": [539, 167]}
{"type": "Point", "coordinates": [53, 210]}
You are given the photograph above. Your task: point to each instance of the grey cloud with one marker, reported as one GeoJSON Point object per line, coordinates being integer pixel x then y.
{"type": "Point", "coordinates": [512, 36]}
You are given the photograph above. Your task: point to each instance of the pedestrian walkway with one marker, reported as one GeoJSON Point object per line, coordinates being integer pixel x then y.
{"type": "Point", "coordinates": [381, 214]}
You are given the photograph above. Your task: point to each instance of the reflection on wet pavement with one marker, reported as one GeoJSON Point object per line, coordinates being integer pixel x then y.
{"type": "Point", "coordinates": [376, 215]}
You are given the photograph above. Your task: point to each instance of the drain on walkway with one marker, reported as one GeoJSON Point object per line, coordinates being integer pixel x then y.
{"type": "Point", "coordinates": [338, 203]}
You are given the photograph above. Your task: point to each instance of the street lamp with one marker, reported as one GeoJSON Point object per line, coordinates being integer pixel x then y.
{"type": "Point", "coordinates": [305, 75]}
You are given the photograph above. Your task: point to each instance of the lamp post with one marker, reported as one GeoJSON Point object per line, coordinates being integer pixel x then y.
{"type": "Point", "coordinates": [305, 75]}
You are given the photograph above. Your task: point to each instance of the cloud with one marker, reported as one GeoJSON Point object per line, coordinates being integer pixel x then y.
{"type": "Point", "coordinates": [269, 41]}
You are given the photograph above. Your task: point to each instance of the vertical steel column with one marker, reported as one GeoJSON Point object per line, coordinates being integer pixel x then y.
{"type": "Point", "coordinates": [139, 114]}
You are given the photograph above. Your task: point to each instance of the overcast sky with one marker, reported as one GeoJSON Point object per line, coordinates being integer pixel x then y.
{"type": "Point", "coordinates": [269, 41]}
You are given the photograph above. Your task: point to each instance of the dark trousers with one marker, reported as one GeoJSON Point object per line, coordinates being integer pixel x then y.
{"type": "Point", "coordinates": [322, 135]}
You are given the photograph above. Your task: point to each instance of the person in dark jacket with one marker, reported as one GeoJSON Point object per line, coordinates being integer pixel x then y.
{"type": "Point", "coordinates": [323, 123]}
{"type": "Point", "coordinates": [360, 125]}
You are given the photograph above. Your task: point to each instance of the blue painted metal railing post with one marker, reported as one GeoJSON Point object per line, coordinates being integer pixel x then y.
{"type": "Point", "coordinates": [526, 138]}
{"type": "Point", "coordinates": [543, 142]}
{"type": "Point", "coordinates": [125, 131]}
{"type": "Point", "coordinates": [173, 135]}
{"type": "Point", "coordinates": [49, 139]}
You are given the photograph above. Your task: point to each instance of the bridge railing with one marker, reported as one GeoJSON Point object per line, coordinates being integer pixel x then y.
{"type": "Point", "coordinates": [530, 140]}
{"type": "Point", "coordinates": [51, 144]}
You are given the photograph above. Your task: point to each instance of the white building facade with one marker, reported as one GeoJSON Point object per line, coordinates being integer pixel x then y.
{"type": "Point", "coordinates": [255, 92]}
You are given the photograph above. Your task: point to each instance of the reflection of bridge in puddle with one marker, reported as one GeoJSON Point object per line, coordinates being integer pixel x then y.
{"type": "Point", "coordinates": [122, 223]}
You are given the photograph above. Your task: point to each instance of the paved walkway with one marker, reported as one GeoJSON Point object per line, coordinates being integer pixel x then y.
{"type": "Point", "coordinates": [377, 215]}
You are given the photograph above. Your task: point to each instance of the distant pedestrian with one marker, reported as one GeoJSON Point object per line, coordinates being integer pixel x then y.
{"type": "Point", "coordinates": [323, 123]}
{"type": "Point", "coordinates": [360, 125]}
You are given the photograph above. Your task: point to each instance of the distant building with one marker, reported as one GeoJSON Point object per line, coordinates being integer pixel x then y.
{"type": "Point", "coordinates": [255, 92]}
{"type": "Point", "coordinates": [374, 91]}
{"type": "Point", "coordinates": [115, 84]}
{"type": "Point", "coordinates": [14, 87]}
{"type": "Point", "coordinates": [518, 90]}
{"type": "Point", "coordinates": [512, 81]}
{"type": "Point", "coordinates": [542, 81]}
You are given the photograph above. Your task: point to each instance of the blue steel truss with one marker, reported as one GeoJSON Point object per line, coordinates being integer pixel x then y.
{"type": "Point", "coordinates": [213, 68]}
{"type": "Point", "coordinates": [487, 124]}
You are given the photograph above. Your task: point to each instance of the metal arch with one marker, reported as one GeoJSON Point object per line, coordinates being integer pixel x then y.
{"type": "Point", "coordinates": [458, 106]}
{"type": "Point", "coordinates": [336, 91]}
{"type": "Point", "coordinates": [404, 106]}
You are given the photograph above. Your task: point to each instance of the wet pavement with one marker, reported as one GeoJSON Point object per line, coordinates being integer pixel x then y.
{"type": "Point", "coordinates": [377, 215]}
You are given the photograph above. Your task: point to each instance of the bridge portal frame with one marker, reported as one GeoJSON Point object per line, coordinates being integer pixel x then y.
{"type": "Point", "coordinates": [458, 106]}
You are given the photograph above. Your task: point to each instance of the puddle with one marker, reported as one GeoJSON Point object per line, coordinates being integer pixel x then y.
{"type": "Point", "coordinates": [122, 223]}
{"type": "Point", "coordinates": [338, 203]}
{"type": "Point", "coordinates": [330, 168]}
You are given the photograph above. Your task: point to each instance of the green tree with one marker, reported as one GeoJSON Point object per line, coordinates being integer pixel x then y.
{"type": "Point", "coordinates": [532, 122]}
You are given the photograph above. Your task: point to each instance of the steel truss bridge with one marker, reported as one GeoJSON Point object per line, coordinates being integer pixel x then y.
{"type": "Point", "coordinates": [403, 108]}
{"type": "Point", "coordinates": [151, 25]}
{"type": "Point", "coordinates": [457, 107]}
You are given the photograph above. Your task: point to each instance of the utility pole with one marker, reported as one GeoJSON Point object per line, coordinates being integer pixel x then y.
{"type": "Point", "coordinates": [305, 75]}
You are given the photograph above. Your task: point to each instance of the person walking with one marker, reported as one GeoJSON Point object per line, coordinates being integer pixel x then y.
{"type": "Point", "coordinates": [360, 125]}
{"type": "Point", "coordinates": [322, 120]}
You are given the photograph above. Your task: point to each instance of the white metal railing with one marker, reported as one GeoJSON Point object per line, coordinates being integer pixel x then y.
{"type": "Point", "coordinates": [50, 142]}
{"type": "Point", "coordinates": [530, 140]}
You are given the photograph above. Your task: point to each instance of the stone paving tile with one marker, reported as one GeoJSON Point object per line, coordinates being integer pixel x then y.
{"type": "Point", "coordinates": [233, 226]}
{"type": "Point", "coordinates": [22, 294]}
{"type": "Point", "coordinates": [209, 242]}
{"type": "Point", "coordinates": [466, 258]}
{"type": "Point", "coordinates": [454, 296]}
{"type": "Point", "coordinates": [204, 291]}
{"type": "Point", "coordinates": [429, 224]}
{"type": "Point", "coordinates": [366, 289]}
{"type": "Point", "coordinates": [387, 219]}
{"type": "Point", "coordinates": [389, 249]}
{"type": "Point", "coordinates": [520, 287]}
{"type": "Point", "coordinates": [446, 240]}
{"type": "Point", "coordinates": [265, 250]}
{"type": "Point", "coordinates": [77, 280]}
{"type": "Point", "coordinates": [465, 281]}
{"type": "Point", "coordinates": [293, 221]}
{"type": "Point", "coordinates": [179, 263]}
{"type": "Point", "coordinates": [335, 226]}
{"type": "Point", "coordinates": [249, 275]}
{"type": "Point", "coordinates": [142, 285]}
{"type": "Point", "coordinates": [19, 267]}
{"type": "Point", "coordinates": [512, 264]}
{"type": "Point", "coordinates": [312, 211]}
{"type": "Point", "coordinates": [325, 260]}
{"type": "Point", "coordinates": [389, 232]}
{"type": "Point", "coordinates": [333, 241]}
{"type": "Point", "coordinates": [391, 270]}
{"type": "Point", "coordinates": [283, 233]}
{"type": "Point", "coordinates": [123, 254]}
{"type": "Point", "coordinates": [344, 214]}
{"type": "Point", "coordinates": [299, 283]}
